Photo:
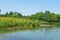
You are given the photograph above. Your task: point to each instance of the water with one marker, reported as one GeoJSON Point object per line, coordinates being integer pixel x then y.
{"type": "Point", "coordinates": [40, 34]}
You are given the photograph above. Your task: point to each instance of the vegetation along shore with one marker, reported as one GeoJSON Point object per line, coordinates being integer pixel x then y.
{"type": "Point", "coordinates": [17, 20]}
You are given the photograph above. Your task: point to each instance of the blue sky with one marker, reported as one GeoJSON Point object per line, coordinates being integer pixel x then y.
{"type": "Point", "coordinates": [28, 7]}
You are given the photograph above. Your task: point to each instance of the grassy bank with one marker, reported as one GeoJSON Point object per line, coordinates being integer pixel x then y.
{"type": "Point", "coordinates": [6, 22]}
{"type": "Point", "coordinates": [16, 24]}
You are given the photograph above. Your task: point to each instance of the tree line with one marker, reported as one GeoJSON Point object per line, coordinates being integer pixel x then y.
{"type": "Point", "coordinates": [44, 16]}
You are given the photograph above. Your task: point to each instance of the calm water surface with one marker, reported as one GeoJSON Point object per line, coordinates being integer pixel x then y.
{"type": "Point", "coordinates": [40, 34]}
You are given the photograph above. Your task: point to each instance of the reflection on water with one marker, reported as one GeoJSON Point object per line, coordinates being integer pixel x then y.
{"type": "Point", "coordinates": [40, 34]}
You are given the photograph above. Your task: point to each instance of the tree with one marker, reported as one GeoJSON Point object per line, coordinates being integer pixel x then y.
{"type": "Point", "coordinates": [10, 13]}
{"type": "Point", "coordinates": [16, 14]}
{"type": "Point", "coordinates": [13, 14]}
{"type": "Point", "coordinates": [36, 16]}
{"type": "Point", "coordinates": [47, 16]}
{"type": "Point", "coordinates": [0, 11]}
{"type": "Point", "coordinates": [58, 17]}
{"type": "Point", "coordinates": [19, 14]}
{"type": "Point", "coordinates": [47, 11]}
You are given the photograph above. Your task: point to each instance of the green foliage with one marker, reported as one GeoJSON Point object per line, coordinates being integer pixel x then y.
{"type": "Point", "coordinates": [6, 22]}
{"type": "Point", "coordinates": [47, 16]}
{"type": "Point", "coordinates": [14, 19]}
{"type": "Point", "coordinates": [12, 14]}
{"type": "Point", "coordinates": [36, 16]}
{"type": "Point", "coordinates": [44, 16]}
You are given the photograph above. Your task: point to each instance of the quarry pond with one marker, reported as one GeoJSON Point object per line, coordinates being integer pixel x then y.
{"type": "Point", "coordinates": [39, 34]}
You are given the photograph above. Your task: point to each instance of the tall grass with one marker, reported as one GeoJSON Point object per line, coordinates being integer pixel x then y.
{"type": "Point", "coordinates": [6, 22]}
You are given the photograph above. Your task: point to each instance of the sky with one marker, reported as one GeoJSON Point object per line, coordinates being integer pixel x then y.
{"type": "Point", "coordinates": [28, 7]}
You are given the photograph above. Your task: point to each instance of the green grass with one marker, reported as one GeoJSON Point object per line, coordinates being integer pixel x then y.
{"type": "Point", "coordinates": [6, 22]}
{"type": "Point", "coordinates": [16, 24]}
